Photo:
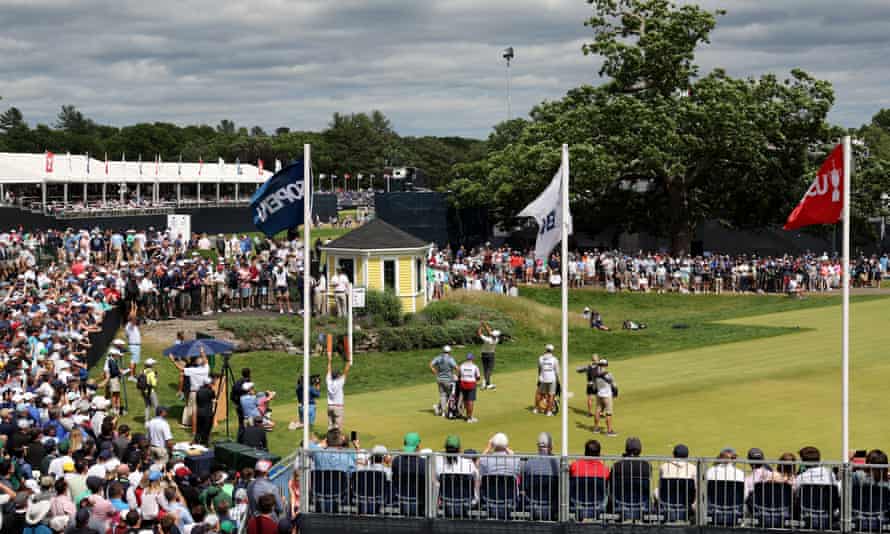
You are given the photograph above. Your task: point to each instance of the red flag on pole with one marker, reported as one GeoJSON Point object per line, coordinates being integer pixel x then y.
{"type": "Point", "coordinates": [823, 201]}
{"type": "Point", "coordinates": [50, 159]}
{"type": "Point", "coordinates": [259, 166]}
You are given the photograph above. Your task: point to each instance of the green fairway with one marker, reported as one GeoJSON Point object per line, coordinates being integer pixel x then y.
{"type": "Point", "coordinates": [775, 393]}
{"type": "Point", "coordinates": [748, 371]}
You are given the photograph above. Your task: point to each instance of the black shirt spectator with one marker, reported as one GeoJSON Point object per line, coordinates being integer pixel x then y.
{"type": "Point", "coordinates": [255, 436]}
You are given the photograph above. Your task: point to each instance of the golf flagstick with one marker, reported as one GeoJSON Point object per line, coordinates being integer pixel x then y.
{"type": "Point", "coordinates": [845, 306]}
{"type": "Point", "coordinates": [307, 304]}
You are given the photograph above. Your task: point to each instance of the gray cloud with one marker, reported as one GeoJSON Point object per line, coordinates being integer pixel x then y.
{"type": "Point", "coordinates": [432, 66]}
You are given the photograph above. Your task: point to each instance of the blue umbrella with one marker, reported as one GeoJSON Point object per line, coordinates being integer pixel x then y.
{"type": "Point", "coordinates": [188, 349]}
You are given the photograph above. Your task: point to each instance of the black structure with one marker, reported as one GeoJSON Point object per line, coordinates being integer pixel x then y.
{"type": "Point", "coordinates": [429, 216]}
{"type": "Point", "coordinates": [376, 234]}
{"type": "Point", "coordinates": [324, 206]}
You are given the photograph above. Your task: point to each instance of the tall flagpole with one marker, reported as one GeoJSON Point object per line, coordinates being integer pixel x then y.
{"type": "Point", "coordinates": [564, 266]}
{"type": "Point", "coordinates": [307, 304]}
{"type": "Point", "coordinates": [845, 323]}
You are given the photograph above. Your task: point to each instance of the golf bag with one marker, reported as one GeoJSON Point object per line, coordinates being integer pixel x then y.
{"type": "Point", "coordinates": [453, 408]}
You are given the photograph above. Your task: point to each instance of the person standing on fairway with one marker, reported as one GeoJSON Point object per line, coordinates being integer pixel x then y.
{"type": "Point", "coordinates": [469, 376]}
{"type": "Point", "coordinates": [443, 367]}
{"type": "Point", "coordinates": [490, 339]}
{"type": "Point", "coordinates": [548, 371]}
{"type": "Point", "coordinates": [606, 391]}
{"type": "Point", "coordinates": [592, 370]}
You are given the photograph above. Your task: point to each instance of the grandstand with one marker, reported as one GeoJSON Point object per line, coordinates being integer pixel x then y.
{"type": "Point", "coordinates": [75, 185]}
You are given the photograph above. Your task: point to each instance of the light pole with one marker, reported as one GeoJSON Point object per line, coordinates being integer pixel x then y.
{"type": "Point", "coordinates": [508, 55]}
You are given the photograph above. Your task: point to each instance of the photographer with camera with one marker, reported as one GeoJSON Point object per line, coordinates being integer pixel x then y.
{"type": "Point", "coordinates": [314, 394]}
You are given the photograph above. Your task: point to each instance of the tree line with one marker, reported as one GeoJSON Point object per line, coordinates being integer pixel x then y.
{"type": "Point", "coordinates": [352, 143]}
{"type": "Point", "coordinates": [660, 147]}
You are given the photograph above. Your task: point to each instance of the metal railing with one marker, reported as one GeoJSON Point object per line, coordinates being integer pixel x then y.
{"type": "Point", "coordinates": [606, 491]}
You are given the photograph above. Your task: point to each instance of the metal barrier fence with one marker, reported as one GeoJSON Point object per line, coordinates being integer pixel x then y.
{"type": "Point", "coordinates": [605, 491]}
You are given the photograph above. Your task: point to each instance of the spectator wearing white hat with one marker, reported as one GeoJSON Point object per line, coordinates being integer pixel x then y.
{"type": "Point", "coordinates": [498, 458]}
{"type": "Point", "coordinates": [548, 373]}
{"type": "Point", "coordinates": [113, 374]}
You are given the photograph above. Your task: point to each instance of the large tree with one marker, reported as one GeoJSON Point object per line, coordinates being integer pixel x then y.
{"type": "Point", "coordinates": [657, 147]}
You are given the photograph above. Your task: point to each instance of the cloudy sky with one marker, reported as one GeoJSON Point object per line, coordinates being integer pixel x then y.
{"type": "Point", "coordinates": [433, 66]}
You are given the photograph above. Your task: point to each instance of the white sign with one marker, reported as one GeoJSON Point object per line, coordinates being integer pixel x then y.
{"type": "Point", "coordinates": [358, 297]}
{"type": "Point", "coordinates": [180, 225]}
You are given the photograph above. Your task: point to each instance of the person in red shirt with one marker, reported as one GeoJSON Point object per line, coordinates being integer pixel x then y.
{"type": "Point", "coordinates": [77, 267]}
{"type": "Point", "coordinates": [263, 523]}
{"type": "Point", "coordinates": [589, 466]}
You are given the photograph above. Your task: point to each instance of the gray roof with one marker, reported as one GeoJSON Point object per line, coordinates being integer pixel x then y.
{"type": "Point", "coordinates": [376, 235]}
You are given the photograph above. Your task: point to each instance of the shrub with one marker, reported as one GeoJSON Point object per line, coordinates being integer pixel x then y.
{"type": "Point", "coordinates": [384, 306]}
{"type": "Point", "coordinates": [427, 336]}
{"type": "Point", "coordinates": [441, 311]}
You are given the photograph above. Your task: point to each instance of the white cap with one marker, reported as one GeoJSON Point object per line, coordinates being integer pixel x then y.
{"type": "Point", "coordinates": [149, 362]}
{"type": "Point", "coordinates": [446, 348]}
{"type": "Point", "coordinates": [119, 341]}
{"type": "Point", "coordinates": [500, 441]}
{"type": "Point", "coordinates": [548, 347]}
{"type": "Point", "coordinates": [496, 333]}
{"type": "Point", "coordinates": [247, 386]}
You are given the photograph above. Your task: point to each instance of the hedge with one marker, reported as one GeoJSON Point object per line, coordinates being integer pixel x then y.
{"type": "Point", "coordinates": [426, 336]}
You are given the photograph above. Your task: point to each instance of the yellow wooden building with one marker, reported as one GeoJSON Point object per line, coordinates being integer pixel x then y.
{"type": "Point", "coordinates": [379, 256]}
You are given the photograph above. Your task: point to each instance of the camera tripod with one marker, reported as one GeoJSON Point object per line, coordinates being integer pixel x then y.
{"type": "Point", "coordinates": [227, 378]}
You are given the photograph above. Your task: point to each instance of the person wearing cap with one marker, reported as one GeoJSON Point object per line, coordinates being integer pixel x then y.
{"type": "Point", "coordinates": [490, 339]}
{"type": "Point", "coordinates": [606, 391]}
{"type": "Point", "coordinates": [544, 463]}
{"type": "Point", "coordinates": [498, 458]}
{"type": "Point", "coordinates": [261, 486]}
{"type": "Point", "coordinates": [377, 461]}
{"type": "Point", "coordinates": [149, 393]}
{"type": "Point", "coordinates": [630, 466]}
{"type": "Point", "coordinates": [444, 368]}
{"type": "Point", "coordinates": [410, 465]}
{"type": "Point", "coordinates": [724, 469]}
{"type": "Point", "coordinates": [591, 370]}
{"type": "Point", "coordinates": [548, 375]}
{"type": "Point", "coordinates": [679, 466]}
{"type": "Point", "coordinates": [453, 462]}
{"type": "Point", "coordinates": [336, 382]}
{"type": "Point", "coordinates": [469, 376]}
{"type": "Point", "coordinates": [112, 378]}
{"type": "Point", "coordinates": [760, 470]}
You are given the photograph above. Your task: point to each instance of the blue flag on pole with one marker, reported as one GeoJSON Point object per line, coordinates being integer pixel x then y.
{"type": "Point", "coordinates": [278, 204]}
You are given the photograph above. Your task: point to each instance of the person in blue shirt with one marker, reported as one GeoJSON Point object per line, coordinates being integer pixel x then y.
{"type": "Point", "coordinates": [314, 394]}
{"type": "Point", "coordinates": [334, 456]}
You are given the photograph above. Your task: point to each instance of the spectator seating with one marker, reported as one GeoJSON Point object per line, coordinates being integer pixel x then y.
{"type": "Point", "coordinates": [369, 491]}
{"type": "Point", "coordinates": [771, 504]}
{"type": "Point", "coordinates": [587, 497]}
{"type": "Point", "coordinates": [726, 502]}
{"type": "Point", "coordinates": [499, 495]}
{"type": "Point", "coordinates": [630, 498]}
{"type": "Point", "coordinates": [541, 496]}
{"type": "Point", "coordinates": [456, 493]}
{"type": "Point", "coordinates": [819, 506]}
{"type": "Point", "coordinates": [870, 507]}
{"type": "Point", "coordinates": [675, 499]}
{"type": "Point", "coordinates": [330, 490]}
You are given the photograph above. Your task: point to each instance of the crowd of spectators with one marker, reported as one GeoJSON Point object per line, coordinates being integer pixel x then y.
{"type": "Point", "coordinates": [501, 269]}
{"type": "Point", "coordinates": [407, 466]}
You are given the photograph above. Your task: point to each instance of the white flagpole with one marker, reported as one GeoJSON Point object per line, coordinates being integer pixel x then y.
{"type": "Point", "coordinates": [307, 304]}
{"type": "Point", "coordinates": [845, 322]}
{"type": "Point", "coordinates": [564, 265]}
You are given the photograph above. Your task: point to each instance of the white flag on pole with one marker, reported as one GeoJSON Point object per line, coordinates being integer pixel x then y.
{"type": "Point", "coordinates": [547, 211]}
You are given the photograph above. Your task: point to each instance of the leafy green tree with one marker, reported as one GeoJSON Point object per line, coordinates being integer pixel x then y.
{"type": "Point", "coordinates": [656, 147]}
